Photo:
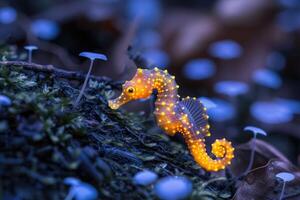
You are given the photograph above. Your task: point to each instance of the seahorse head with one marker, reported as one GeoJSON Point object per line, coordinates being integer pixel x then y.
{"type": "Point", "coordinates": [139, 87]}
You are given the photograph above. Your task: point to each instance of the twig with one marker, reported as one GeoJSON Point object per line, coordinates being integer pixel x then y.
{"type": "Point", "coordinates": [61, 73]}
{"type": "Point", "coordinates": [291, 195]}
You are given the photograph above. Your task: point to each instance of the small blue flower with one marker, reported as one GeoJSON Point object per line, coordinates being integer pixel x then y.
{"type": "Point", "coordinates": [255, 130]}
{"type": "Point", "coordinates": [267, 78]}
{"type": "Point", "coordinates": [7, 15]}
{"type": "Point", "coordinates": [144, 178]}
{"type": "Point", "coordinates": [199, 69]}
{"type": "Point", "coordinates": [276, 61]}
{"type": "Point", "coordinates": [45, 29]}
{"type": "Point", "coordinates": [222, 112]}
{"type": "Point", "coordinates": [157, 58]}
{"type": "Point", "coordinates": [270, 112]}
{"type": "Point", "coordinates": [93, 56]}
{"type": "Point", "coordinates": [208, 104]}
{"type": "Point", "coordinates": [174, 188]}
{"type": "Point", "coordinates": [5, 101]}
{"type": "Point", "coordinates": [231, 88]}
{"type": "Point", "coordinates": [225, 49]}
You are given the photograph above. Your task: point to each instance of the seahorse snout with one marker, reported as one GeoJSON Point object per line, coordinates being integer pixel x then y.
{"type": "Point", "coordinates": [119, 101]}
{"type": "Point", "coordinates": [113, 105]}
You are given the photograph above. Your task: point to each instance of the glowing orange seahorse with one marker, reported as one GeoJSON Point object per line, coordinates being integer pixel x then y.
{"type": "Point", "coordinates": [187, 116]}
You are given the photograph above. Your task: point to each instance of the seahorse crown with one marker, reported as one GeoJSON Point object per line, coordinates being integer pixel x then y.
{"type": "Point", "coordinates": [187, 116]}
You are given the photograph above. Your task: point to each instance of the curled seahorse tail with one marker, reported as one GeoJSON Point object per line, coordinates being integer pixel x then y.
{"type": "Point", "coordinates": [222, 149]}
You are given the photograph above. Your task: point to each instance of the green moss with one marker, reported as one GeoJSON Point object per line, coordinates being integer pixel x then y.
{"type": "Point", "coordinates": [43, 140]}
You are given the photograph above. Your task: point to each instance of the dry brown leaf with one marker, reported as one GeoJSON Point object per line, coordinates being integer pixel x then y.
{"type": "Point", "coordinates": [263, 153]}
{"type": "Point", "coordinates": [261, 183]}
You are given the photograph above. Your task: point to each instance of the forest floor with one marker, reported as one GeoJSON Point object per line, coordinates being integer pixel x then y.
{"type": "Point", "coordinates": [44, 139]}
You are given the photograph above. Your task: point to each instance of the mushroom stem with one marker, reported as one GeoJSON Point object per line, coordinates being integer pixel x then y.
{"type": "Point", "coordinates": [282, 191]}
{"type": "Point", "coordinates": [84, 84]}
{"type": "Point", "coordinates": [29, 56]}
{"type": "Point", "coordinates": [70, 195]}
{"type": "Point", "coordinates": [251, 156]}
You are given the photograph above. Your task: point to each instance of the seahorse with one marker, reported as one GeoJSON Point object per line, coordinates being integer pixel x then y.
{"type": "Point", "coordinates": [174, 115]}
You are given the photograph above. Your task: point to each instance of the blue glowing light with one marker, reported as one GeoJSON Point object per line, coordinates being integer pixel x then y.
{"type": "Point", "coordinates": [45, 29]}
{"type": "Point", "coordinates": [30, 47]}
{"type": "Point", "coordinates": [149, 39]}
{"type": "Point", "coordinates": [291, 104]}
{"type": "Point", "coordinates": [199, 69]}
{"type": "Point", "coordinates": [174, 188]}
{"type": "Point", "coordinates": [231, 88]}
{"type": "Point", "coordinates": [5, 100]}
{"type": "Point", "coordinates": [267, 78]}
{"type": "Point", "coordinates": [80, 190]}
{"type": "Point", "coordinates": [289, 3]}
{"type": "Point", "coordinates": [72, 181]}
{"type": "Point", "coordinates": [289, 20]}
{"type": "Point", "coordinates": [207, 103]}
{"type": "Point", "coordinates": [225, 49]}
{"type": "Point", "coordinates": [156, 58]}
{"type": "Point", "coordinates": [84, 191]}
{"type": "Point", "coordinates": [270, 112]}
{"type": "Point", "coordinates": [255, 130]}
{"type": "Point", "coordinates": [286, 176]}
{"type": "Point", "coordinates": [147, 11]}
{"type": "Point", "coordinates": [7, 15]}
{"type": "Point", "coordinates": [145, 177]}
{"type": "Point", "coordinates": [223, 110]}
{"type": "Point", "coordinates": [276, 61]}
{"type": "Point", "coordinates": [93, 56]}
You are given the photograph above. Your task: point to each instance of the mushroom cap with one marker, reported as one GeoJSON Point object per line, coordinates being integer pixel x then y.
{"type": "Point", "coordinates": [199, 69]}
{"type": "Point", "coordinates": [84, 191]}
{"type": "Point", "coordinates": [222, 111]}
{"type": "Point", "coordinates": [271, 112]}
{"type": "Point", "coordinates": [174, 188]}
{"type": "Point", "coordinates": [4, 100]}
{"type": "Point", "coordinates": [72, 181]}
{"type": "Point", "coordinates": [207, 102]}
{"type": "Point", "coordinates": [145, 177]}
{"type": "Point", "coordinates": [93, 56]}
{"type": "Point", "coordinates": [286, 176]}
{"type": "Point", "coordinates": [255, 130]}
{"type": "Point", "coordinates": [225, 49]}
{"type": "Point", "coordinates": [267, 78]}
{"type": "Point", "coordinates": [30, 47]}
{"type": "Point", "coordinates": [7, 15]}
{"type": "Point", "coordinates": [157, 58]}
{"type": "Point", "coordinates": [45, 29]}
{"type": "Point", "coordinates": [231, 88]}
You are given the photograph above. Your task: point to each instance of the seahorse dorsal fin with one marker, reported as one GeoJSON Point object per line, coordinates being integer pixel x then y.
{"type": "Point", "coordinates": [197, 115]}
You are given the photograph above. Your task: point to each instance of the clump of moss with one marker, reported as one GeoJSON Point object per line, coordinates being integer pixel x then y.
{"type": "Point", "coordinates": [44, 139]}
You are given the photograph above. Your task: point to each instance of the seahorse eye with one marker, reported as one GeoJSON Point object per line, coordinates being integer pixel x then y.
{"type": "Point", "coordinates": [130, 90]}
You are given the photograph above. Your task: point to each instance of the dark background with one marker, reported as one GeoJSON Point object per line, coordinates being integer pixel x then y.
{"type": "Point", "coordinates": [262, 52]}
